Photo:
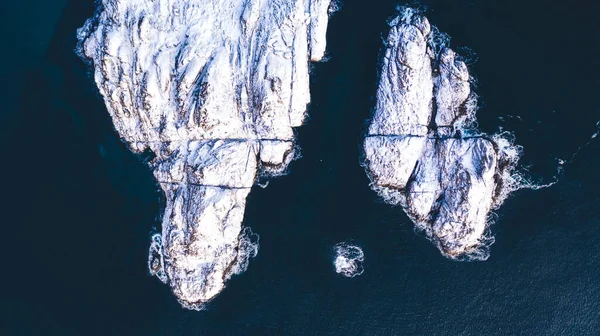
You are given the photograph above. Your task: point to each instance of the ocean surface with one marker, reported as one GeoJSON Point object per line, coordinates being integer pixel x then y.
{"type": "Point", "coordinates": [78, 207]}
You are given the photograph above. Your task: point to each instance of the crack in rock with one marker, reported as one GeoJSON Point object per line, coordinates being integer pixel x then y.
{"type": "Point", "coordinates": [213, 89]}
{"type": "Point", "coordinates": [422, 150]}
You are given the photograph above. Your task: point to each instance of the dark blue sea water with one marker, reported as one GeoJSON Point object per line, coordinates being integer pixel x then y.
{"type": "Point", "coordinates": [78, 206]}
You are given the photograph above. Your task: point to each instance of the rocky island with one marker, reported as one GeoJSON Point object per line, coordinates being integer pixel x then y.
{"type": "Point", "coordinates": [213, 90]}
{"type": "Point", "coordinates": [423, 150]}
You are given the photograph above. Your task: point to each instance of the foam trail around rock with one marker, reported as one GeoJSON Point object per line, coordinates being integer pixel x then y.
{"type": "Point", "coordinates": [348, 260]}
{"type": "Point", "coordinates": [213, 90]}
{"type": "Point", "coordinates": [423, 151]}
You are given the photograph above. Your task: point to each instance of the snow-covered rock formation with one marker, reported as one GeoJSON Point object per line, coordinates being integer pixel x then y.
{"type": "Point", "coordinates": [213, 89]}
{"type": "Point", "coordinates": [422, 150]}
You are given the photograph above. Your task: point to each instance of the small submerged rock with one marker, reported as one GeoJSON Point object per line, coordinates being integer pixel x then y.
{"type": "Point", "coordinates": [423, 150]}
{"type": "Point", "coordinates": [348, 260]}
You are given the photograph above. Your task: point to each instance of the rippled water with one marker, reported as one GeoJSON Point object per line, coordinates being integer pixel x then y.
{"type": "Point", "coordinates": [81, 207]}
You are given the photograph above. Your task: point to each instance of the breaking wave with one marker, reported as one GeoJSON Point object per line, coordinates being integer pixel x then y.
{"type": "Point", "coordinates": [247, 248]}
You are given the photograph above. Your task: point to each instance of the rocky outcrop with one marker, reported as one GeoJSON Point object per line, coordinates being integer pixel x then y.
{"type": "Point", "coordinates": [422, 151]}
{"type": "Point", "coordinates": [213, 89]}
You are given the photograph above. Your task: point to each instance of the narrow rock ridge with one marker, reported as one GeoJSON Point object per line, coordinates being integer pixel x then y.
{"type": "Point", "coordinates": [422, 150]}
{"type": "Point", "coordinates": [213, 89]}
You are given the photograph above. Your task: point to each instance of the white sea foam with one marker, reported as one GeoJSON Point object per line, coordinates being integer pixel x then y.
{"type": "Point", "coordinates": [348, 260]}
{"type": "Point", "coordinates": [594, 135]}
{"type": "Point", "coordinates": [247, 248]}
